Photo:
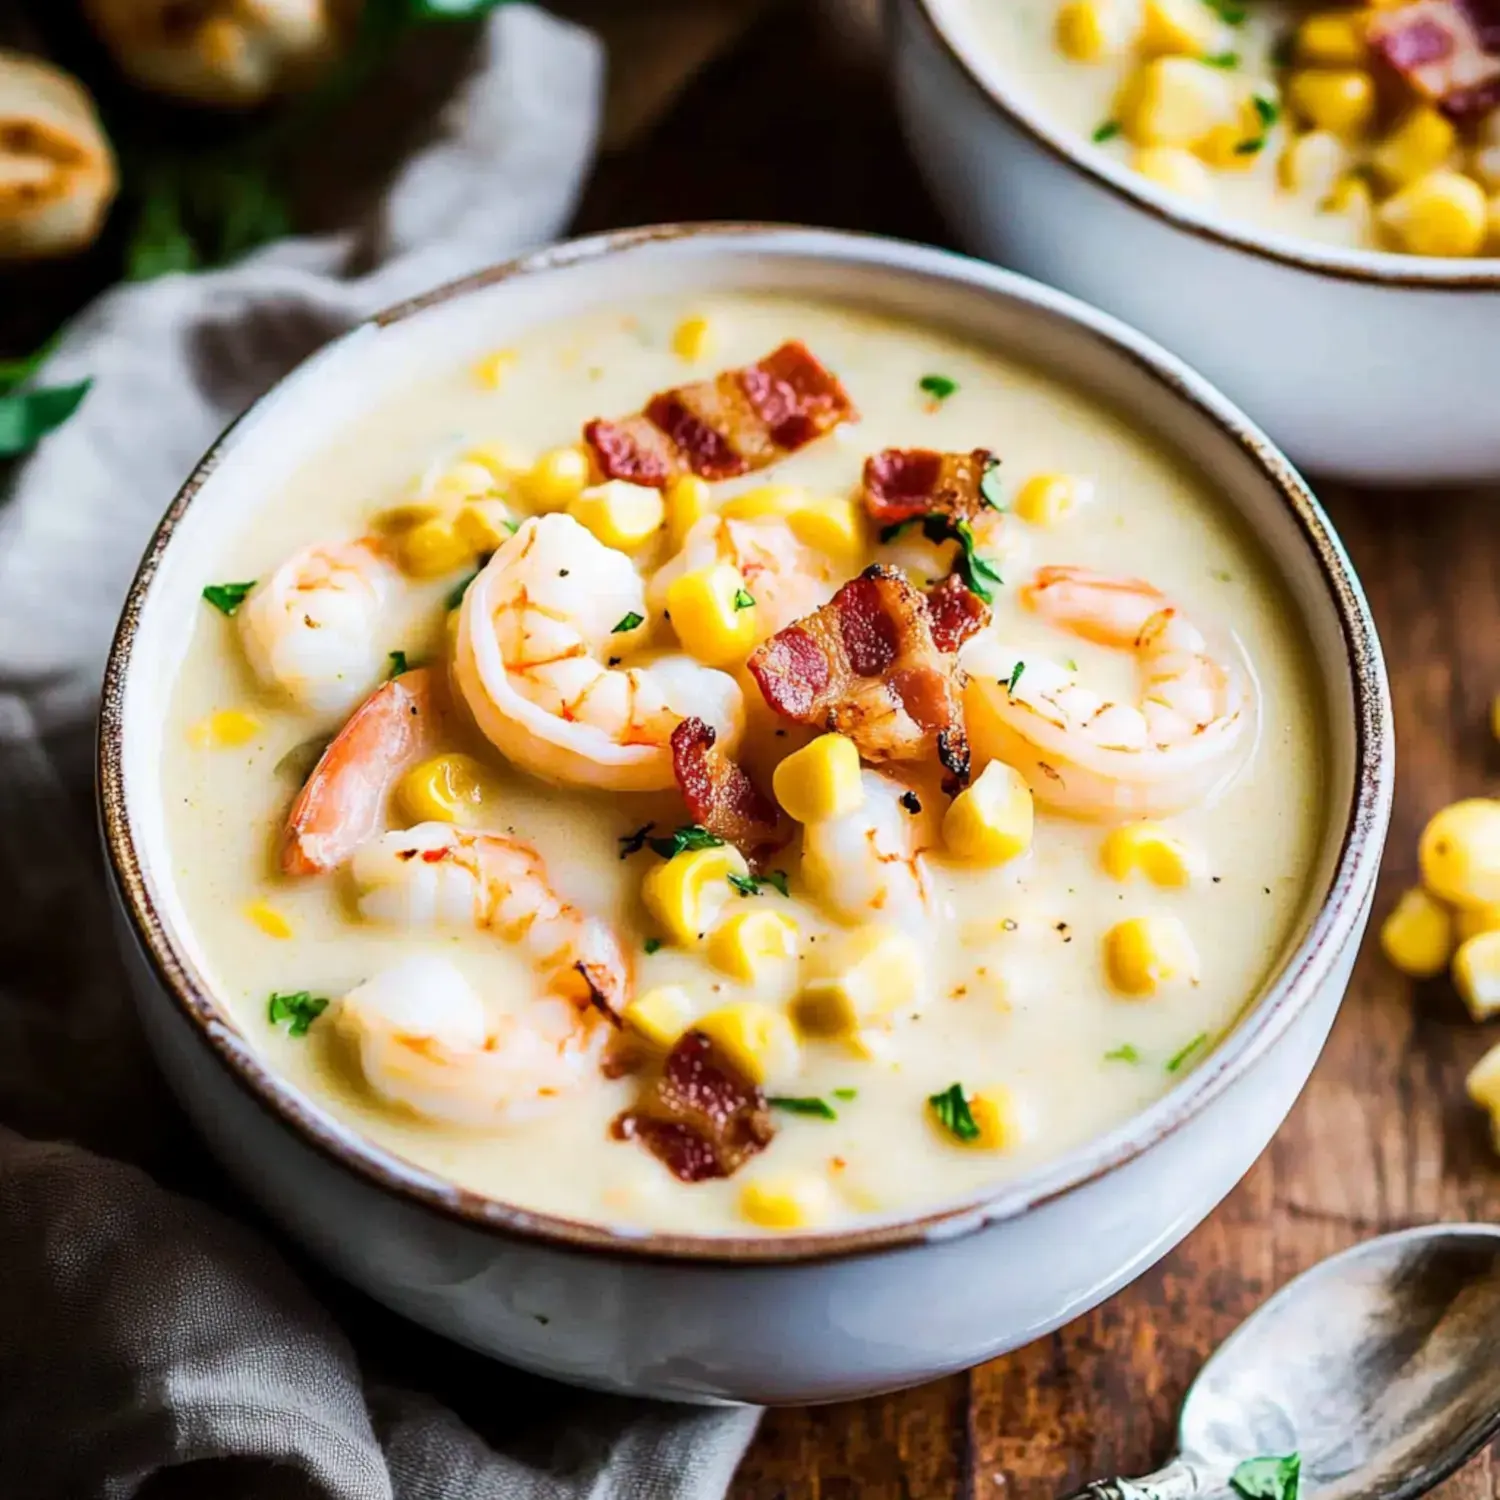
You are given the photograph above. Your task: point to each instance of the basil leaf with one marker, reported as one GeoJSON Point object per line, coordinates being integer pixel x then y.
{"type": "Point", "coordinates": [953, 1114]}
{"type": "Point", "coordinates": [27, 417]}
{"type": "Point", "coordinates": [227, 597]}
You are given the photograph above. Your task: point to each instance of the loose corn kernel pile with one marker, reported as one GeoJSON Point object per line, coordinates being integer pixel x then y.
{"type": "Point", "coordinates": [1342, 131]}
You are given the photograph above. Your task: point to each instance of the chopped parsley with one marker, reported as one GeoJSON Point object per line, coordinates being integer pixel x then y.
{"type": "Point", "coordinates": [1070, 664]}
{"type": "Point", "coordinates": [977, 574]}
{"type": "Point", "coordinates": [846, 1093]}
{"type": "Point", "coordinates": [819, 1108]}
{"type": "Point", "coordinates": [398, 662]}
{"type": "Point", "coordinates": [632, 621]}
{"type": "Point", "coordinates": [298, 1010]}
{"type": "Point", "coordinates": [989, 485]}
{"type": "Point", "coordinates": [1225, 60]}
{"type": "Point", "coordinates": [744, 599]}
{"type": "Point", "coordinates": [953, 1113]}
{"type": "Point", "coordinates": [1015, 677]}
{"type": "Point", "coordinates": [633, 843]}
{"type": "Point", "coordinates": [1107, 132]}
{"type": "Point", "coordinates": [939, 387]}
{"type": "Point", "coordinates": [1252, 147]}
{"type": "Point", "coordinates": [1125, 1054]}
{"type": "Point", "coordinates": [1177, 1059]}
{"type": "Point", "coordinates": [652, 945]}
{"type": "Point", "coordinates": [1268, 109]}
{"type": "Point", "coordinates": [227, 597]}
{"type": "Point", "coordinates": [753, 885]}
{"type": "Point", "coordinates": [1230, 12]}
{"type": "Point", "coordinates": [459, 590]}
{"type": "Point", "coordinates": [1268, 1478]}
{"type": "Point", "coordinates": [689, 836]}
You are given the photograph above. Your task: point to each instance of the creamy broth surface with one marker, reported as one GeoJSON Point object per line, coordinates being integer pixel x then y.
{"type": "Point", "coordinates": [1018, 997]}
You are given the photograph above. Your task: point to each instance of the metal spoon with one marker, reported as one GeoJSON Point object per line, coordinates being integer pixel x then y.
{"type": "Point", "coordinates": [1379, 1367]}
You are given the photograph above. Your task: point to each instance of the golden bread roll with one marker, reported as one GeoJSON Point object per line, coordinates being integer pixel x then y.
{"type": "Point", "coordinates": [235, 52]}
{"type": "Point", "coordinates": [57, 172]}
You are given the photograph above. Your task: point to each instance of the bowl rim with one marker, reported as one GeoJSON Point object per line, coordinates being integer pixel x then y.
{"type": "Point", "coordinates": [1382, 268]}
{"type": "Point", "coordinates": [1337, 921]}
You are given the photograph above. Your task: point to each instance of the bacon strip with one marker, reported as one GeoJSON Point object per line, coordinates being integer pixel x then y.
{"type": "Point", "coordinates": [739, 421]}
{"type": "Point", "coordinates": [721, 796]}
{"type": "Point", "coordinates": [699, 1116]}
{"type": "Point", "coordinates": [901, 484]}
{"type": "Point", "coordinates": [866, 665]}
{"type": "Point", "coordinates": [956, 612]}
{"type": "Point", "coordinates": [1447, 50]}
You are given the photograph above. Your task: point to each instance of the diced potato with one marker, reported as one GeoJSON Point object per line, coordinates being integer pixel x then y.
{"type": "Point", "coordinates": [990, 821]}
{"type": "Point", "coordinates": [1093, 30]}
{"type": "Point", "coordinates": [1144, 955]}
{"type": "Point", "coordinates": [1046, 499]}
{"type": "Point", "coordinates": [860, 977]}
{"type": "Point", "coordinates": [660, 1016]}
{"type": "Point", "coordinates": [710, 614]}
{"type": "Point", "coordinates": [1149, 849]}
{"type": "Point", "coordinates": [750, 944]}
{"type": "Point", "coordinates": [462, 481]}
{"type": "Point", "coordinates": [1422, 142]}
{"type": "Point", "coordinates": [1176, 101]}
{"type": "Point", "coordinates": [623, 516]}
{"type": "Point", "coordinates": [685, 893]}
{"type": "Point", "coordinates": [483, 525]}
{"type": "Point", "coordinates": [1459, 853]}
{"type": "Point", "coordinates": [1470, 921]}
{"type": "Point", "coordinates": [1333, 39]}
{"type": "Point", "coordinates": [1341, 100]}
{"type": "Point", "coordinates": [995, 1113]}
{"type": "Point", "coordinates": [1483, 1082]}
{"type": "Point", "coordinates": [1476, 974]}
{"type": "Point", "coordinates": [1314, 163]}
{"type": "Point", "coordinates": [693, 339]}
{"type": "Point", "coordinates": [448, 788]}
{"type": "Point", "coordinates": [688, 501]}
{"type": "Point", "coordinates": [1417, 937]}
{"type": "Point", "coordinates": [269, 920]}
{"type": "Point", "coordinates": [1175, 169]}
{"type": "Point", "coordinates": [820, 781]}
{"type": "Point", "coordinates": [557, 478]}
{"type": "Point", "coordinates": [432, 548]}
{"type": "Point", "coordinates": [228, 728]}
{"type": "Point", "coordinates": [758, 1040]}
{"type": "Point", "coordinates": [789, 1202]}
{"type": "Point", "coordinates": [491, 370]}
{"type": "Point", "coordinates": [1188, 28]}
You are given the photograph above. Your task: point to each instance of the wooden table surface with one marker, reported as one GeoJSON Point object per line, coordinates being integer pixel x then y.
{"type": "Point", "coordinates": [788, 127]}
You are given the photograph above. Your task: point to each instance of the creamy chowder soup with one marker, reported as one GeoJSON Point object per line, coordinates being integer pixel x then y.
{"type": "Point", "coordinates": [1372, 126]}
{"type": "Point", "coordinates": [670, 869]}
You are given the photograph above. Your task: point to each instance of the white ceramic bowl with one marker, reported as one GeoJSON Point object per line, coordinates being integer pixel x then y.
{"type": "Point", "coordinates": [808, 1317]}
{"type": "Point", "coordinates": [1362, 365]}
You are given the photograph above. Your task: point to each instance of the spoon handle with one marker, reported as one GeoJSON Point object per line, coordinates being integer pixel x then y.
{"type": "Point", "coordinates": [1178, 1481]}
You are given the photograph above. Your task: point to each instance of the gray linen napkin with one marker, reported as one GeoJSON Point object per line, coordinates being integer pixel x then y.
{"type": "Point", "coordinates": [150, 1344]}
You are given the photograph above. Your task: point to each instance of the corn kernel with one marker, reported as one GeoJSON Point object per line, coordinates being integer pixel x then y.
{"type": "Point", "coordinates": [1045, 499]}
{"type": "Point", "coordinates": [831, 524]}
{"type": "Point", "coordinates": [1149, 848]}
{"type": "Point", "coordinates": [484, 525]}
{"type": "Point", "coordinates": [687, 501]}
{"type": "Point", "coordinates": [1483, 1082]}
{"type": "Point", "coordinates": [1338, 99]}
{"type": "Point", "coordinates": [449, 788]}
{"type": "Point", "coordinates": [693, 339]}
{"type": "Point", "coordinates": [660, 1016]}
{"type": "Point", "coordinates": [1476, 974]}
{"type": "Point", "coordinates": [1332, 39]}
{"type": "Point", "coordinates": [1146, 954]}
{"type": "Point", "coordinates": [623, 516]}
{"type": "Point", "coordinates": [750, 944]}
{"type": "Point", "coordinates": [228, 728]}
{"type": "Point", "coordinates": [820, 781]}
{"type": "Point", "coordinates": [861, 977]}
{"type": "Point", "coordinates": [1176, 101]}
{"type": "Point", "coordinates": [505, 463]}
{"type": "Point", "coordinates": [710, 616]}
{"type": "Point", "coordinates": [491, 370]}
{"type": "Point", "coordinates": [1176, 170]}
{"type": "Point", "coordinates": [1313, 163]}
{"type": "Point", "coordinates": [757, 1040]}
{"type": "Point", "coordinates": [990, 821]}
{"type": "Point", "coordinates": [1185, 27]}
{"type": "Point", "coordinates": [1417, 937]}
{"type": "Point", "coordinates": [1422, 142]}
{"type": "Point", "coordinates": [793, 1202]}
{"type": "Point", "coordinates": [398, 518]}
{"type": "Point", "coordinates": [269, 920]}
{"type": "Point", "coordinates": [995, 1113]}
{"type": "Point", "coordinates": [1459, 853]}
{"type": "Point", "coordinates": [685, 893]}
{"type": "Point", "coordinates": [557, 478]}
{"type": "Point", "coordinates": [1470, 921]}
{"type": "Point", "coordinates": [1444, 213]}
{"type": "Point", "coordinates": [462, 481]}
{"type": "Point", "coordinates": [778, 500]}
{"type": "Point", "coordinates": [1091, 30]}
{"type": "Point", "coordinates": [431, 549]}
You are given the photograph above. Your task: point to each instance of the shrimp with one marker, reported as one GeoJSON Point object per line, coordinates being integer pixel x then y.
{"type": "Point", "coordinates": [342, 804]}
{"type": "Point", "coordinates": [309, 629]}
{"type": "Point", "coordinates": [426, 1041]}
{"type": "Point", "coordinates": [1089, 756]}
{"type": "Point", "coordinates": [787, 578]}
{"type": "Point", "coordinates": [869, 865]}
{"type": "Point", "coordinates": [436, 875]}
{"type": "Point", "coordinates": [528, 658]}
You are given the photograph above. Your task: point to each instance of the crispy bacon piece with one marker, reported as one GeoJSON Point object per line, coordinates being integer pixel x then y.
{"type": "Point", "coordinates": [956, 612]}
{"type": "Point", "coordinates": [866, 665]}
{"type": "Point", "coordinates": [721, 796]}
{"type": "Point", "coordinates": [1447, 50]}
{"type": "Point", "coordinates": [904, 483]}
{"type": "Point", "coordinates": [699, 1115]}
{"type": "Point", "coordinates": [741, 420]}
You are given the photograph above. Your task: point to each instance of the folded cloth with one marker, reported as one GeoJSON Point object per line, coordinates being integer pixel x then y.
{"type": "Point", "coordinates": [151, 1344]}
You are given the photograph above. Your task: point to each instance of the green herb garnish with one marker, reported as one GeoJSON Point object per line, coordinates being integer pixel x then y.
{"type": "Point", "coordinates": [1178, 1058]}
{"type": "Point", "coordinates": [460, 589]}
{"type": "Point", "coordinates": [28, 416]}
{"type": "Point", "coordinates": [1125, 1054]}
{"type": "Point", "coordinates": [743, 599]}
{"type": "Point", "coordinates": [652, 945]}
{"type": "Point", "coordinates": [1015, 677]}
{"type": "Point", "coordinates": [846, 1093]}
{"type": "Point", "coordinates": [633, 843]}
{"type": "Point", "coordinates": [1268, 1478]}
{"type": "Point", "coordinates": [979, 575]}
{"type": "Point", "coordinates": [1231, 12]}
{"type": "Point", "coordinates": [989, 485]}
{"type": "Point", "coordinates": [820, 1108]}
{"type": "Point", "coordinates": [1107, 132]}
{"type": "Point", "coordinates": [227, 597]}
{"type": "Point", "coordinates": [299, 1010]}
{"type": "Point", "coordinates": [1226, 60]}
{"type": "Point", "coordinates": [632, 621]}
{"type": "Point", "coordinates": [953, 1113]}
{"type": "Point", "coordinates": [398, 663]}
{"type": "Point", "coordinates": [939, 387]}
{"type": "Point", "coordinates": [1251, 147]}
{"type": "Point", "coordinates": [1070, 664]}
{"type": "Point", "coordinates": [1268, 109]}
{"type": "Point", "coordinates": [689, 836]}
{"type": "Point", "coordinates": [752, 885]}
